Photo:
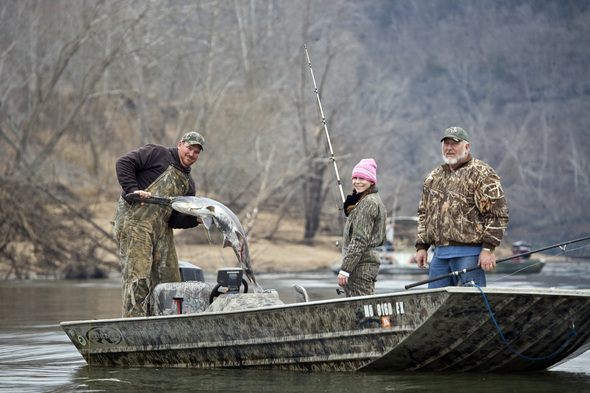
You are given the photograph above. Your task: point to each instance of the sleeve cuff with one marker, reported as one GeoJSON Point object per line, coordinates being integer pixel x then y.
{"type": "Point", "coordinates": [422, 246]}
{"type": "Point", "coordinates": [489, 246]}
{"type": "Point", "coordinates": [344, 273]}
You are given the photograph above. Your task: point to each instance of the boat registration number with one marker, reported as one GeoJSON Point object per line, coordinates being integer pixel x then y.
{"type": "Point", "coordinates": [384, 309]}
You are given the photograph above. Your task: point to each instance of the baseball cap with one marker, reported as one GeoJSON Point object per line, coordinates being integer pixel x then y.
{"type": "Point", "coordinates": [194, 138]}
{"type": "Point", "coordinates": [456, 133]}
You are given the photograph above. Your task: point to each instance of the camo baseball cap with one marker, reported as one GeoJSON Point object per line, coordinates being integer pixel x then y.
{"type": "Point", "coordinates": [194, 138]}
{"type": "Point", "coordinates": [456, 133]}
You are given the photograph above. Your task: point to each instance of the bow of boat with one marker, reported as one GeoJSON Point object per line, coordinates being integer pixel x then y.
{"type": "Point", "coordinates": [496, 329]}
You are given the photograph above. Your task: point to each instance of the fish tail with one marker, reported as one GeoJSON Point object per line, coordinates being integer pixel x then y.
{"type": "Point", "coordinates": [257, 287]}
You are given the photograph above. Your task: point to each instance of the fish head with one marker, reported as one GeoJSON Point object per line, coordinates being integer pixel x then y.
{"type": "Point", "coordinates": [195, 207]}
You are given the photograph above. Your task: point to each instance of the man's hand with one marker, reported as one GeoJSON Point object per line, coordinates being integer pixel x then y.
{"type": "Point", "coordinates": [143, 194]}
{"type": "Point", "coordinates": [422, 258]}
{"type": "Point", "coordinates": [487, 260]}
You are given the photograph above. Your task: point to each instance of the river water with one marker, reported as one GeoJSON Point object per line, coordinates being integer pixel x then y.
{"type": "Point", "coordinates": [37, 356]}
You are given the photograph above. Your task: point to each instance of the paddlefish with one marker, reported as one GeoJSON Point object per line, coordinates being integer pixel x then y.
{"type": "Point", "coordinates": [212, 212]}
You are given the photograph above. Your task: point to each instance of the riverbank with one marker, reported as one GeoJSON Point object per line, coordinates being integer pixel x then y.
{"type": "Point", "coordinates": [282, 252]}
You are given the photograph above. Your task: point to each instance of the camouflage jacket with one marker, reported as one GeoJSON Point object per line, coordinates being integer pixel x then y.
{"type": "Point", "coordinates": [462, 207]}
{"type": "Point", "coordinates": [364, 230]}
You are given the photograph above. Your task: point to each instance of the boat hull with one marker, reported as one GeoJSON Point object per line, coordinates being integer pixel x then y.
{"type": "Point", "coordinates": [434, 330]}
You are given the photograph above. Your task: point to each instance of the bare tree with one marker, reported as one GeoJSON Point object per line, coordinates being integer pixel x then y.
{"type": "Point", "coordinates": [25, 130]}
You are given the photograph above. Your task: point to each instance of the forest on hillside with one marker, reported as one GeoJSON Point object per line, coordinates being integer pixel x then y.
{"type": "Point", "coordinates": [82, 83]}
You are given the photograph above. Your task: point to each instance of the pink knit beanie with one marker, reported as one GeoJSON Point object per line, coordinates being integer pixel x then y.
{"type": "Point", "coordinates": [366, 169]}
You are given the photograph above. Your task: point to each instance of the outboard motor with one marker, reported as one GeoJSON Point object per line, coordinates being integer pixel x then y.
{"type": "Point", "coordinates": [229, 280]}
{"type": "Point", "coordinates": [521, 247]}
{"type": "Point", "coordinates": [190, 272]}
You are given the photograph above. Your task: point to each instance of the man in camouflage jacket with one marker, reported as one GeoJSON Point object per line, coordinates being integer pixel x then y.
{"type": "Point", "coordinates": [462, 213]}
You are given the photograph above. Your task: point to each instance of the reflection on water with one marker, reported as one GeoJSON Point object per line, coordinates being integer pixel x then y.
{"type": "Point", "coordinates": [124, 380]}
{"type": "Point", "coordinates": [36, 356]}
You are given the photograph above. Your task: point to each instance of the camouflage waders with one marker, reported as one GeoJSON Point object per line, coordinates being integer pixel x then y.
{"type": "Point", "coordinates": [146, 243]}
{"type": "Point", "coordinates": [363, 232]}
{"type": "Point", "coordinates": [362, 279]}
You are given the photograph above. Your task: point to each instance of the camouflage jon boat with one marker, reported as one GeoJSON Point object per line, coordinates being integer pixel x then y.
{"type": "Point", "coordinates": [448, 329]}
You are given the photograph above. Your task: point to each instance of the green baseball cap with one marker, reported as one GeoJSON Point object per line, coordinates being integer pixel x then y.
{"type": "Point", "coordinates": [456, 133]}
{"type": "Point", "coordinates": [194, 138]}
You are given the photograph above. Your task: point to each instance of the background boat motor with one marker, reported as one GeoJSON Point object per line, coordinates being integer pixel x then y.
{"type": "Point", "coordinates": [521, 247]}
{"type": "Point", "coordinates": [229, 280]}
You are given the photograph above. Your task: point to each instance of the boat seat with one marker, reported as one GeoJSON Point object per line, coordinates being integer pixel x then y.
{"type": "Point", "coordinates": [242, 301]}
{"type": "Point", "coordinates": [188, 297]}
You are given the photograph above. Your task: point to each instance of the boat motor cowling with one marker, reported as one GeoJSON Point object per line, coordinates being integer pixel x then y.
{"type": "Point", "coordinates": [190, 272]}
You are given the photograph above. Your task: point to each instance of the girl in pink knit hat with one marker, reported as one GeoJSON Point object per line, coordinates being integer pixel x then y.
{"type": "Point", "coordinates": [363, 232]}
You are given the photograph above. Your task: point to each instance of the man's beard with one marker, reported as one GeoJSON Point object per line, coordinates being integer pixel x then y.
{"type": "Point", "coordinates": [453, 161]}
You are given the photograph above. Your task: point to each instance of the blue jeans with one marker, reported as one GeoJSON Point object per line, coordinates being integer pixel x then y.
{"type": "Point", "coordinates": [439, 267]}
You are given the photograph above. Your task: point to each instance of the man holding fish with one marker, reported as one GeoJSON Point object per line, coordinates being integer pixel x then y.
{"type": "Point", "coordinates": [144, 231]}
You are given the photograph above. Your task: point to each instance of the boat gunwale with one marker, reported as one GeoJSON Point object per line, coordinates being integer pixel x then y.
{"type": "Point", "coordinates": [401, 294]}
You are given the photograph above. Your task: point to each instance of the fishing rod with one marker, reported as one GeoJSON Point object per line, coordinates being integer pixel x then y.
{"type": "Point", "coordinates": [324, 126]}
{"type": "Point", "coordinates": [524, 254]}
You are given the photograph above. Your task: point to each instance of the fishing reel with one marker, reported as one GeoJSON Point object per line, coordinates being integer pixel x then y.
{"type": "Point", "coordinates": [229, 280]}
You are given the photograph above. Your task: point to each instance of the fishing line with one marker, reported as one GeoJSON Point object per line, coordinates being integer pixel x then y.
{"type": "Point", "coordinates": [572, 332]}
{"type": "Point", "coordinates": [463, 271]}
{"type": "Point", "coordinates": [217, 265]}
{"type": "Point", "coordinates": [549, 258]}
{"type": "Point", "coordinates": [337, 202]}
{"type": "Point", "coordinates": [328, 144]}
{"type": "Point", "coordinates": [323, 123]}
{"type": "Point", "coordinates": [570, 250]}
{"type": "Point", "coordinates": [532, 264]}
